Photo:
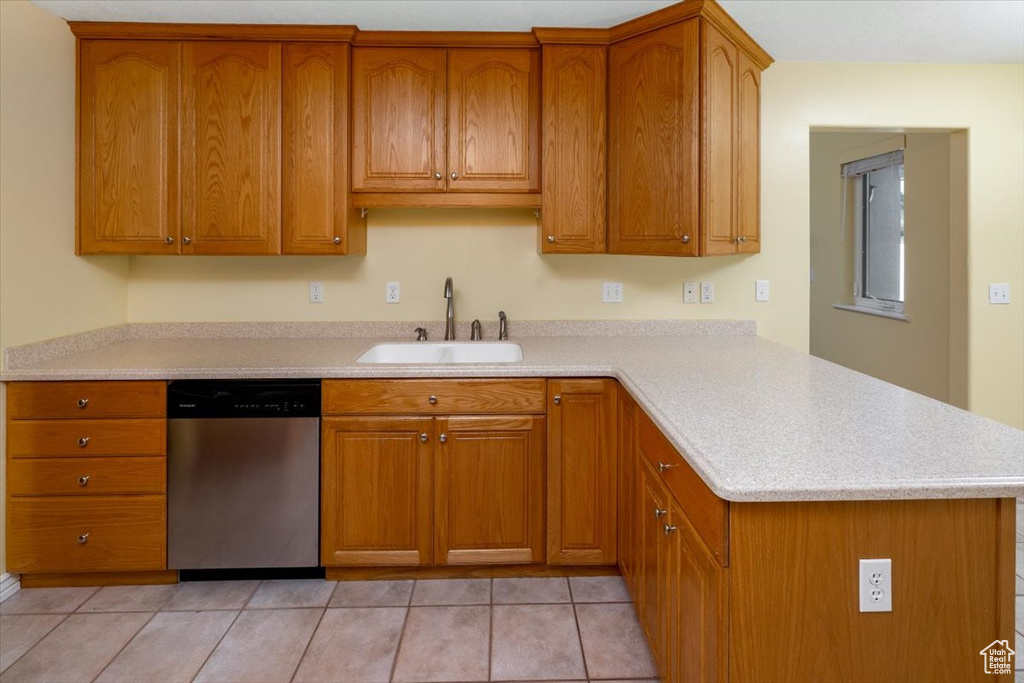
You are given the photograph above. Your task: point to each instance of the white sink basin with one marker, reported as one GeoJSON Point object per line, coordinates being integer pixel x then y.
{"type": "Point", "coordinates": [430, 353]}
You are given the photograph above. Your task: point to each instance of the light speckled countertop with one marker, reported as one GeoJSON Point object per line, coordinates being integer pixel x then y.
{"type": "Point", "coordinates": [758, 421]}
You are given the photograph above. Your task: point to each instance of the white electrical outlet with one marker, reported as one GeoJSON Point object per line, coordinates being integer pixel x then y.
{"type": "Point", "coordinates": [391, 295]}
{"type": "Point", "coordinates": [761, 291]}
{"type": "Point", "coordinates": [999, 293]}
{"type": "Point", "coordinates": [611, 293]}
{"type": "Point", "coordinates": [876, 585]}
{"type": "Point", "coordinates": [316, 292]}
{"type": "Point", "coordinates": [689, 292]}
{"type": "Point", "coordinates": [707, 292]}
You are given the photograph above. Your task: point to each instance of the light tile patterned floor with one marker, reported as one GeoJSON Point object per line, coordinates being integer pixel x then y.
{"type": "Point", "coordinates": [312, 630]}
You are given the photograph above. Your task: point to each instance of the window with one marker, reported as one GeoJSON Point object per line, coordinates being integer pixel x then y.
{"type": "Point", "coordinates": [879, 255]}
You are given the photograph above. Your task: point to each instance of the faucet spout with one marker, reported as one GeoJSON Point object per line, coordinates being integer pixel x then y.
{"type": "Point", "coordinates": [449, 316]}
{"type": "Point", "coordinates": [502, 326]}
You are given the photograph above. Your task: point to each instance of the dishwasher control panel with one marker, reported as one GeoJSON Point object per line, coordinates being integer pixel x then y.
{"type": "Point", "coordinates": [199, 399]}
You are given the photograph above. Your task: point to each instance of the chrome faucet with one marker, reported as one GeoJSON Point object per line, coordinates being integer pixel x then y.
{"type": "Point", "coordinates": [449, 316]}
{"type": "Point", "coordinates": [475, 333]}
{"type": "Point", "coordinates": [502, 326]}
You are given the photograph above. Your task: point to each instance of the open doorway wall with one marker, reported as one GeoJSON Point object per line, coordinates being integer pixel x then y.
{"type": "Point", "coordinates": [923, 348]}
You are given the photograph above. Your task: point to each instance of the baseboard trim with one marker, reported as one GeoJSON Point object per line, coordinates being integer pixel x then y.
{"type": "Point", "coordinates": [9, 585]}
{"type": "Point", "coordinates": [466, 571]}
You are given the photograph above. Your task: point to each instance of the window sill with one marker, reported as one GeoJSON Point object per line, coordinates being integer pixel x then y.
{"type": "Point", "coordinates": [872, 311]}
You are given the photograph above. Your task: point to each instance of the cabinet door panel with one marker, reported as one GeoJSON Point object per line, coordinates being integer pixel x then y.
{"type": "Point", "coordinates": [128, 163]}
{"type": "Point", "coordinates": [231, 140]}
{"type": "Point", "coordinates": [489, 490]}
{"type": "Point", "coordinates": [654, 153]}
{"type": "Point", "coordinates": [318, 218]}
{"type": "Point", "coordinates": [493, 120]}
{"type": "Point", "coordinates": [718, 194]}
{"type": "Point", "coordinates": [398, 119]}
{"type": "Point", "coordinates": [376, 491]}
{"type": "Point", "coordinates": [628, 503]}
{"type": "Point", "coordinates": [581, 472]}
{"type": "Point", "coordinates": [651, 581]}
{"type": "Point", "coordinates": [575, 146]}
{"type": "Point", "coordinates": [748, 152]}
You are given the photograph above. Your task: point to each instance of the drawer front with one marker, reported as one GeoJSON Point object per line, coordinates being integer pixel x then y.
{"type": "Point", "coordinates": [707, 513]}
{"type": "Point", "coordinates": [87, 534]}
{"type": "Point", "coordinates": [85, 400]}
{"type": "Point", "coordinates": [82, 438]}
{"type": "Point", "coordinates": [86, 476]}
{"type": "Point", "coordinates": [433, 397]}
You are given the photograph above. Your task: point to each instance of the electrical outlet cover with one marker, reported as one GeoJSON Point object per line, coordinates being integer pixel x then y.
{"type": "Point", "coordinates": [316, 292]}
{"type": "Point", "coordinates": [876, 585]}
{"type": "Point", "coordinates": [392, 293]}
{"type": "Point", "coordinates": [999, 293]}
{"type": "Point", "coordinates": [689, 292]}
{"type": "Point", "coordinates": [707, 292]}
{"type": "Point", "coordinates": [611, 293]}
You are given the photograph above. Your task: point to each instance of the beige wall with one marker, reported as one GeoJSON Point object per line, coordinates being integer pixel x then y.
{"type": "Point", "coordinates": [45, 290]}
{"type": "Point", "coordinates": [914, 354]}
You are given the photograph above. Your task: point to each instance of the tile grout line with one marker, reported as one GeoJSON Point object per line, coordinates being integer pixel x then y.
{"type": "Point", "coordinates": [490, 634]}
{"type": "Point", "coordinates": [309, 642]}
{"type": "Point", "coordinates": [213, 649]}
{"type": "Point", "coordinates": [127, 643]}
{"type": "Point", "coordinates": [579, 634]}
{"type": "Point", "coordinates": [64, 617]}
{"type": "Point", "coordinates": [401, 634]}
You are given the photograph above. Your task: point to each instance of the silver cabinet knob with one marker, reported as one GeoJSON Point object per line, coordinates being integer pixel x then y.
{"type": "Point", "coordinates": [664, 466]}
{"type": "Point", "coordinates": [83, 480]}
{"type": "Point", "coordinates": [557, 400]}
{"type": "Point", "coordinates": [659, 513]}
{"type": "Point", "coordinates": [742, 238]}
{"type": "Point", "coordinates": [83, 538]}
{"type": "Point", "coordinates": [669, 529]}
{"type": "Point", "coordinates": [443, 438]}
{"type": "Point", "coordinates": [685, 239]}
{"type": "Point", "coordinates": [551, 239]}
{"type": "Point", "coordinates": [169, 240]}
{"type": "Point", "coordinates": [437, 175]}
{"type": "Point", "coordinates": [455, 175]}
{"type": "Point", "coordinates": [83, 402]}
{"type": "Point", "coordinates": [186, 240]}
{"type": "Point", "coordinates": [83, 442]}
{"type": "Point", "coordinates": [424, 437]}
{"type": "Point", "coordinates": [337, 240]}
{"type": "Point", "coordinates": [432, 400]}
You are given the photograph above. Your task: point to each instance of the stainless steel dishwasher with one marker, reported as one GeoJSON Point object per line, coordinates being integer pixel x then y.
{"type": "Point", "coordinates": [243, 474]}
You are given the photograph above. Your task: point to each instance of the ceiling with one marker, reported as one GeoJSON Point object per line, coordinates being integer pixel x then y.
{"type": "Point", "coordinates": [790, 30]}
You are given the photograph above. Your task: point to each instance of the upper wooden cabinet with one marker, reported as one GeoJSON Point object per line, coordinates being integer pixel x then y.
{"type": "Point", "coordinates": [437, 120]}
{"type": "Point", "coordinates": [128, 147]}
{"type": "Point", "coordinates": [231, 148]}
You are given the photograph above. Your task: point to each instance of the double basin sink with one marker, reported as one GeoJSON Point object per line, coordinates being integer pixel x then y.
{"type": "Point", "coordinates": [436, 353]}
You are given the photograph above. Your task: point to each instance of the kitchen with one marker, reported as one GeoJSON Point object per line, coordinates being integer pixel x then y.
{"type": "Point", "coordinates": [150, 309]}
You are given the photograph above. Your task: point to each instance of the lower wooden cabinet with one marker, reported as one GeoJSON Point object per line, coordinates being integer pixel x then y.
{"type": "Point", "coordinates": [626, 437]}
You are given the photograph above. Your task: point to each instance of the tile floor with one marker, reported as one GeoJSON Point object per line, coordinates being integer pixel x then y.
{"type": "Point", "coordinates": [311, 630]}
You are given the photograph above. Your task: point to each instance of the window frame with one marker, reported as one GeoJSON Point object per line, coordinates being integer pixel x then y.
{"type": "Point", "coordinates": [859, 172]}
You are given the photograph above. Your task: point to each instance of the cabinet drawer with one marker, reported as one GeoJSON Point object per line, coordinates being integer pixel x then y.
{"type": "Point", "coordinates": [433, 397]}
{"type": "Point", "coordinates": [77, 438]}
{"type": "Point", "coordinates": [85, 476]}
{"type": "Point", "coordinates": [87, 534]}
{"type": "Point", "coordinates": [37, 400]}
{"type": "Point", "coordinates": [708, 513]}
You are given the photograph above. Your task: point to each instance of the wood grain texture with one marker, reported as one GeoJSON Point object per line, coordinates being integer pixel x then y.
{"type": "Point", "coordinates": [48, 438]}
{"type": "Point", "coordinates": [103, 476]}
{"type": "Point", "coordinates": [719, 145]}
{"type": "Point", "coordinates": [461, 39]}
{"type": "Point", "coordinates": [654, 127]}
{"type": "Point", "coordinates": [493, 120]}
{"type": "Point", "coordinates": [125, 533]}
{"type": "Point", "coordinates": [231, 148]}
{"type": "Point", "coordinates": [572, 36]}
{"type": "Point", "coordinates": [794, 575]}
{"type": "Point", "coordinates": [575, 150]}
{"type": "Point", "coordinates": [582, 472]}
{"type": "Point", "coordinates": [454, 200]}
{"type": "Point", "coordinates": [628, 493]}
{"type": "Point", "coordinates": [708, 513]}
{"type": "Point", "coordinates": [128, 136]}
{"type": "Point", "coordinates": [489, 490]}
{"type": "Point", "coordinates": [377, 491]}
{"type": "Point", "coordinates": [34, 400]}
{"type": "Point", "coordinates": [412, 396]}
{"type": "Point", "coordinates": [651, 589]}
{"type": "Point", "coordinates": [1006, 565]}
{"type": "Point", "coordinates": [99, 579]}
{"type": "Point", "coordinates": [748, 153]}
{"type": "Point", "coordinates": [398, 119]}
{"type": "Point", "coordinates": [117, 30]}
{"type": "Point", "coordinates": [317, 216]}
{"type": "Point", "coordinates": [466, 571]}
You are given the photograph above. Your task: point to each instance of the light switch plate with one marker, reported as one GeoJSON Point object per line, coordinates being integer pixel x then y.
{"type": "Point", "coordinates": [611, 293]}
{"type": "Point", "coordinates": [761, 291]}
{"type": "Point", "coordinates": [689, 292]}
{"type": "Point", "coordinates": [999, 293]}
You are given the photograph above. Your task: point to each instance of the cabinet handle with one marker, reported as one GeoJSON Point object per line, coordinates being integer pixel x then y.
{"type": "Point", "coordinates": [337, 240]}
{"type": "Point", "coordinates": [83, 402]}
{"type": "Point", "coordinates": [83, 442]}
{"type": "Point", "coordinates": [432, 400]}
{"type": "Point", "coordinates": [686, 239]}
{"type": "Point", "coordinates": [169, 240]}
{"type": "Point", "coordinates": [551, 239]}
{"type": "Point", "coordinates": [664, 466]}
{"type": "Point", "coordinates": [669, 529]}
{"type": "Point", "coordinates": [743, 238]}
{"type": "Point", "coordinates": [443, 438]}
{"type": "Point", "coordinates": [424, 437]}
{"type": "Point", "coordinates": [557, 400]}
{"type": "Point", "coordinates": [83, 538]}
{"type": "Point", "coordinates": [83, 480]}
{"type": "Point", "coordinates": [659, 513]}
{"type": "Point", "coordinates": [186, 240]}
{"type": "Point", "coordinates": [437, 175]}
{"type": "Point", "coordinates": [455, 175]}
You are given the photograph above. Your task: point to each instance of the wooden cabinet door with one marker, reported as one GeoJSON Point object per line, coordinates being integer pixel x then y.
{"type": "Point", "coordinates": [718, 191]}
{"type": "Point", "coordinates": [748, 154]}
{"type": "Point", "coordinates": [489, 490]}
{"type": "Point", "coordinates": [493, 120]}
{"type": "Point", "coordinates": [573, 220]}
{"type": "Point", "coordinates": [398, 119]}
{"type": "Point", "coordinates": [318, 217]}
{"type": "Point", "coordinates": [376, 491]}
{"type": "Point", "coordinates": [650, 578]}
{"type": "Point", "coordinates": [128, 147]}
{"type": "Point", "coordinates": [581, 471]}
{"type": "Point", "coordinates": [231, 148]}
{"type": "Point", "coordinates": [627, 494]}
{"type": "Point", "coordinates": [654, 125]}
